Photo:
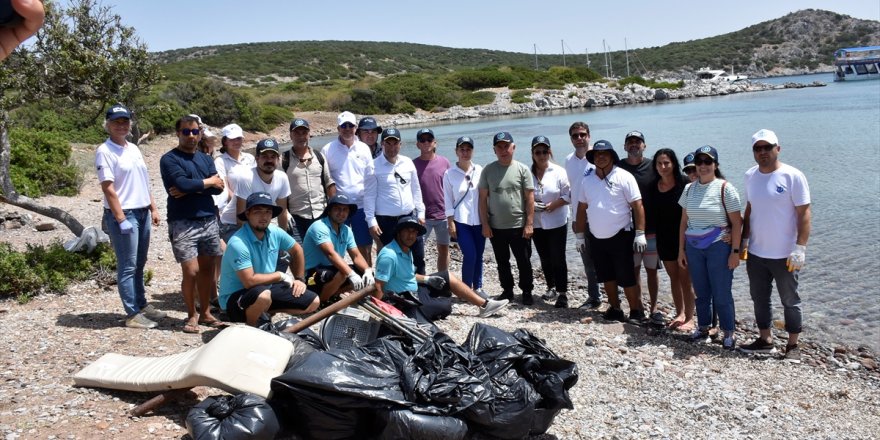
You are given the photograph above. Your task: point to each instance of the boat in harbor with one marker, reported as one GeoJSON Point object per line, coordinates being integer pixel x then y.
{"type": "Point", "coordinates": [857, 63]}
{"type": "Point", "coordinates": [708, 74]}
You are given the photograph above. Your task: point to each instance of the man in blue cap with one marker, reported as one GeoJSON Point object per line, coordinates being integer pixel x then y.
{"type": "Point", "coordinates": [368, 131]}
{"type": "Point", "coordinates": [610, 197]}
{"type": "Point", "coordinates": [396, 277]}
{"type": "Point", "coordinates": [249, 282]}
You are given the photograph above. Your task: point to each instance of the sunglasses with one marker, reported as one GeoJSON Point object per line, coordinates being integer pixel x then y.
{"type": "Point", "coordinates": [347, 125]}
{"type": "Point", "coordinates": [190, 131]}
{"type": "Point", "coordinates": [761, 148]}
{"type": "Point", "coordinates": [580, 135]}
{"type": "Point", "coordinates": [702, 161]}
{"type": "Point", "coordinates": [541, 152]}
{"type": "Point", "coordinates": [400, 178]}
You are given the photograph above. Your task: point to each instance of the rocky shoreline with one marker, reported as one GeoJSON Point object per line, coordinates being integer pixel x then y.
{"type": "Point", "coordinates": [635, 382]}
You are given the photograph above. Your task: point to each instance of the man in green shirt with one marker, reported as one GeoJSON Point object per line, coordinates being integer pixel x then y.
{"type": "Point", "coordinates": [507, 209]}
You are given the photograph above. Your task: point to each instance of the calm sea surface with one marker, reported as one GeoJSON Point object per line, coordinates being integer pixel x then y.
{"type": "Point", "coordinates": [830, 133]}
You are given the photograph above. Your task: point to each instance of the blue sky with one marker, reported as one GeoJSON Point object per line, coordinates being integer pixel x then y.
{"type": "Point", "coordinates": [511, 25]}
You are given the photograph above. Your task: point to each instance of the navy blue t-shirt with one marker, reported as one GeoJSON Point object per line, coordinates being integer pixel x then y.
{"type": "Point", "coordinates": [186, 171]}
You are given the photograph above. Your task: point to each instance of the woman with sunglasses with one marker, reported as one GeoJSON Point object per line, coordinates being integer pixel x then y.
{"type": "Point", "coordinates": [552, 193]}
{"type": "Point", "coordinates": [665, 192]}
{"type": "Point", "coordinates": [463, 214]}
{"type": "Point", "coordinates": [711, 212]}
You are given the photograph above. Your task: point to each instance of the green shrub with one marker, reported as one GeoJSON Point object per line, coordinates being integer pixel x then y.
{"type": "Point", "coordinates": [51, 269]}
{"type": "Point", "coordinates": [475, 79]}
{"type": "Point", "coordinates": [521, 96]}
{"type": "Point", "coordinates": [476, 98]}
{"type": "Point", "coordinates": [273, 115]}
{"type": "Point", "coordinates": [215, 102]}
{"type": "Point", "coordinates": [40, 164]}
{"type": "Point", "coordinates": [649, 83]}
{"type": "Point", "coordinates": [73, 125]}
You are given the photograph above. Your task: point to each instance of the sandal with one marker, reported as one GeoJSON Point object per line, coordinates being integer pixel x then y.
{"type": "Point", "coordinates": [216, 323]}
{"type": "Point", "coordinates": [674, 325]}
{"type": "Point", "coordinates": [191, 328]}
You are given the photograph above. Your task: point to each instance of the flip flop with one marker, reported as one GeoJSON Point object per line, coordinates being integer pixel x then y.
{"type": "Point", "coordinates": [214, 324]}
{"type": "Point", "coordinates": [674, 325]}
{"type": "Point", "coordinates": [191, 328]}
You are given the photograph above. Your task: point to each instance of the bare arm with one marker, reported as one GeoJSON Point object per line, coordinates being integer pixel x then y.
{"type": "Point", "coordinates": [484, 212]}
{"type": "Point", "coordinates": [804, 223]}
{"type": "Point", "coordinates": [357, 259]}
{"type": "Point", "coordinates": [250, 279]}
{"type": "Point", "coordinates": [745, 221]}
{"type": "Point", "coordinates": [682, 258]}
{"type": "Point", "coordinates": [638, 214]}
{"type": "Point", "coordinates": [335, 259]}
{"type": "Point", "coordinates": [528, 228]}
{"type": "Point", "coordinates": [283, 217]}
{"type": "Point", "coordinates": [113, 200]}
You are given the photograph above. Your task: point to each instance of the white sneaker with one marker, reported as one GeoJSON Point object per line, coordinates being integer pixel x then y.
{"type": "Point", "coordinates": [140, 321]}
{"type": "Point", "coordinates": [492, 307]}
{"type": "Point", "coordinates": [550, 295]}
{"type": "Point", "coordinates": [153, 313]}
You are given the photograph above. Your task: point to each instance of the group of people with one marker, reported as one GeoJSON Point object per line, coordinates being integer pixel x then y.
{"type": "Point", "coordinates": [359, 194]}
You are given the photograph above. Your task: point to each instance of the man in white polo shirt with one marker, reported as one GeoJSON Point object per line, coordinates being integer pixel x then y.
{"type": "Point", "coordinates": [776, 227]}
{"type": "Point", "coordinates": [610, 197]}
{"type": "Point", "coordinates": [350, 162]}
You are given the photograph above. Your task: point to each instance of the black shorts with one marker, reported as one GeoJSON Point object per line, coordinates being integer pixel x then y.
{"type": "Point", "coordinates": [613, 258]}
{"type": "Point", "coordinates": [282, 299]}
{"type": "Point", "coordinates": [318, 276]}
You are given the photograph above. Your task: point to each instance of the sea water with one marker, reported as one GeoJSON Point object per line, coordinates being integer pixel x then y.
{"type": "Point", "coordinates": [830, 133]}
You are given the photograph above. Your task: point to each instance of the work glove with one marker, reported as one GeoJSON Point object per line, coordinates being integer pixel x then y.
{"type": "Point", "coordinates": [125, 227]}
{"type": "Point", "coordinates": [286, 279]}
{"type": "Point", "coordinates": [796, 259]}
{"type": "Point", "coordinates": [540, 206]}
{"type": "Point", "coordinates": [368, 277]}
{"type": "Point", "coordinates": [580, 242]}
{"type": "Point", "coordinates": [640, 244]}
{"type": "Point", "coordinates": [435, 282]}
{"type": "Point", "coordinates": [357, 283]}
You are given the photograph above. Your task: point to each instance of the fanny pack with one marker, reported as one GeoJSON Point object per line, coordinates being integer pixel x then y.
{"type": "Point", "coordinates": [703, 240]}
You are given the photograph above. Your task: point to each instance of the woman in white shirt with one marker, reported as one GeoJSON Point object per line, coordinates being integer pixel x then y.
{"type": "Point", "coordinates": [552, 193]}
{"type": "Point", "coordinates": [463, 213]}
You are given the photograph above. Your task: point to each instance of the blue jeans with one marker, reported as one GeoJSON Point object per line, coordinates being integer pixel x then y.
{"type": "Point", "coordinates": [712, 282]}
{"type": "Point", "coordinates": [472, 244]}
{"type": "Point", "coordinates": [131, 256]}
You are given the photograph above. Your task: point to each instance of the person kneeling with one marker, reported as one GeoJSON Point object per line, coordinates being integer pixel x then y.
{"type": "Point", "coordinates": [396, 276]}
{"type": "Point", "coordinates": [249, 284]}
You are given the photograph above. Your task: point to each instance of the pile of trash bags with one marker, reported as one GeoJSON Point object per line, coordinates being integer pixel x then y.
{"type": "Point", "coordinates": [495, 385]}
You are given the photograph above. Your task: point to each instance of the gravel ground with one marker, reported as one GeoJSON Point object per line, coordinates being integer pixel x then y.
{"type": "Point", "coordinates": [633, 384]}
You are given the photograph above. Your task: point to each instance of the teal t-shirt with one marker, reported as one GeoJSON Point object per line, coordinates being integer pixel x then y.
{"type": "Point", "coordinates": [320, 232]}
{"type": "Point", "coordinates": [244, 251]}
{"type": "Point", "coordinates": [395, 268]}
{"type": "Point", "coordinates": [507, 187]}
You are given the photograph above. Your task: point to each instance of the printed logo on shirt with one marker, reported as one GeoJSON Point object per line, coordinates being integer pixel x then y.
{"type": "Point", "coordinates": [780, 189]}
{"type": "Point", "coordinates": [588, 171]}
{"type": "Point", "coordinates": [100, 167]}
{"type": "Point", "coordinates": [240, 260]}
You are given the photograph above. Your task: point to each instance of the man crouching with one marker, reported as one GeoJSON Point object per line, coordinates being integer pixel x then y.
{"type": "Point", "coordinates": [249, 284]}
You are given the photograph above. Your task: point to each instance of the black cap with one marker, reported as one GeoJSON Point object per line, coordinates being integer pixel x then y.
{"type": "Point", "coordinates": [117, 111]}
{"type": "Point", "coordinates": [602, 145]}
{"type": "Point", "coordinates": [689, 161]}
{"type": "Point", "coordinates": [635, 134]}
{"type": "Point", "coordinates": [409, 222]}
{"type": "Point", "coordinates": [298, 122]}
{"type": "Point", "coordinates": [259, 199]}
{"type": "Point", "coordinates": [540, 140]}
{"type": "Point", "coordinates": [464, 140]}
{"type": "Point", "coordinates": [340, 199]}
{"type": "Point", "coordinates": [268, 144]}
{"type": "Point", "coordinates": [502, 137]}
{"type": "Point", "coordinates": [369, 123]}
{"type": "Point", "coordinates": [708, 150]}
{"type": "Point", "coordinates": [391, 133]}
{"type": "Point", "coordinates": [425, 131]}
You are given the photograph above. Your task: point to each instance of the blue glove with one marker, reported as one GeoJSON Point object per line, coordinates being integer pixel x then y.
{"type": "Point", "coordinates": [125, 227]}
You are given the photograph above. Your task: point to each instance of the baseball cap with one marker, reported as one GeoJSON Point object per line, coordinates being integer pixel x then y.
{"type": "Point", "coordinates": [340, 199]}
{"type": "Point", "coordinates": [464, 140]}
{"type": "Point", "coordinates": [259, 199]}
{"type": "Point", "coordinates": [423, 132]}
{"type": "Point", "coordinates": [346, 117]}
{"type": "Point", "coordinates": [409, 222]}
{"type": "Point", "coordinates": [708, 150]}
{"type": "Point", "coordinates": [602, 145]}
{"type": "Point", "coordinates": [117, 111]}
{"type": "Point", "coordinates": [207, 133]}
{"type": "Point", "coordinates": [391, 133]}
{"type": "Point", "coordinates": [298, 122]}
{"type": "Point", "coordinates": [502, 136]}
{"type": "Point", "coordinates": [765, 135]}
{"type": "Point", "coordinates": [268, 144]}
{"type": "Point", "coordinates": [369, 123]}
{"type": "Point", "coordinates": [540, 140]}
{"type": "Point", "coordinates": [232, 131]}
{"type": "Point", "coordinates": [635, 134]}
{"type": "Point", "coordinates": [689, 161]}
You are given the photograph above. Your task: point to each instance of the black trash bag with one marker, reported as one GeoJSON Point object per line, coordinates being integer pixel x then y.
{"type": "Point", "coordinates": [306, 334]}
{"type": "Point", "coordinates": [335, 394]}
{"type": "Point", "coordinates": [442, 378]}
{"type": "Point", "coordinates": [402, 424]}
{"type": "Point", "coordinates": [551, 375]}
{"type": "Point", "coordinates": [243, 416]}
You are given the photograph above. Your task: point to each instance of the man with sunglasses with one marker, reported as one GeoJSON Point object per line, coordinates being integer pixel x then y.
{"type": "Point", "coordinates": [391, 192]}
{"type": "Point", "coordinates": [432, 167]}
{"type": "Point", "coordinates": [576, 165]}
{"type": "Point", "coordinates": [192, 218]}
{"type": "Point", "coordinates": [350, 162]}
{"type": "Point", "coordinates": [776, 227]}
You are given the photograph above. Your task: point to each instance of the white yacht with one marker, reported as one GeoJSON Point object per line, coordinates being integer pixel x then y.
{"type": "Point", "coordinates": [857, 63]}
{"type": "Point", "coordinates": [708, 74]}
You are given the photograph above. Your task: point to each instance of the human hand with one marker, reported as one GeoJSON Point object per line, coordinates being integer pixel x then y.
{"type": "Point", "coordinates": [286, 279]}
{"type": "Point", "coordinates": [32, 14]}
{"type": "Point", "coordinates": [487, 231]}
{"type": "Point", "coordinates": [580, 243]}
{"type": "Point", "coordinates": [375, 232]}
{"type": "Point", "coordinates": [733, 261]}
{"type": "Point", "coordinates": [528, 230]}
{"type": "Point", "coordinates": [154, 215]}
{"type": "Point", "coordinates": [640, 244]}
{"type": "Point", "coordinates": [452, 232]}
{"type": "Point", "coordinates": [176, 193]}
{"type": "Point", "coordinates": [435, 282]}
{"type": "Point", "coordinates": [125, 227]}
{"type": "Point", "coordinates": [539, 206]}
{"type": "Point", "coordinates": [797, 258]}
{"type": "Point", "coordinates": [368, 277]}
{"type": "Point", "coordinates": [357, 283]}
{"type": "Point", "coordinates": [298, 288]}
{"type": "Point", "coordinates": [682, 259]}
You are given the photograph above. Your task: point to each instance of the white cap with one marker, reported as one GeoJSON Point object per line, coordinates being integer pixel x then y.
{"type": "Point", "coordinates": [193, 115]}
{"type": "Point", "coordinates": [207, 133]}
{"type": "Point", "coordinates": [765, 135]}
{"type": "Point", "coordinates": [346, 117]}
{"type": "Point", "coordinates": [232, 131]}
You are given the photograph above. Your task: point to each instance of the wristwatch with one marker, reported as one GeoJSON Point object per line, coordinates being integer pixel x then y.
{"type": "Point", "coordinates": [734, 251]}
{"type": "Point", "coordinates": [300, 279]}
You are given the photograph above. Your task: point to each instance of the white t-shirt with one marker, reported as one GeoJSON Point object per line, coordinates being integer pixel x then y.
{"type": "Point", "coordinates": [773, 218]}
{"type": "Point", "coordinates": [125, 167]}
{"type": "Point", "coordinates": [247, 182]}
{"type": "Point", "coordinates": [460, 187]}
{"type": "Point", "coordinates": [608, 201]}
{"type": "Point", "coordinates": [553, 186]}
{"type": "Point", "coordinates": [349, 168]}
{"type": "Point", "coordinates": [575, 169]}
{"type": "Point", "coordinates": [385, 194]}
{"type": "Point", "coordinates": [226, 164]}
